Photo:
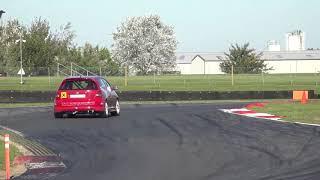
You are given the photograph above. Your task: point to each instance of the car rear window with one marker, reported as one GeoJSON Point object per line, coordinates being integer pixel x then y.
{"type": "Point", "coordinates": [78, 84]}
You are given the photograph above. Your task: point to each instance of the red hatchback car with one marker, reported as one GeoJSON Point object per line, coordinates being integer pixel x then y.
{"type": "Point", "coordinates": [86, 95]}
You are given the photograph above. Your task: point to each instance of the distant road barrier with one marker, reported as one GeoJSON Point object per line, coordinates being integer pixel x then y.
{"type": "Point", "coordinates": [48, 96]}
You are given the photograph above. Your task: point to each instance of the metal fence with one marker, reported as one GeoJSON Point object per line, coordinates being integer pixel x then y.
{"type": "Point", "coordinates": [48, 78]}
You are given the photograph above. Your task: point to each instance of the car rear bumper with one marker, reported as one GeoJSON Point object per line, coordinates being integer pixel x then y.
{"type": "Point", "coordinates": [68, 109]}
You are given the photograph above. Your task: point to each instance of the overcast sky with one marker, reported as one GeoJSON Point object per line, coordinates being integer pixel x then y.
{"type": "Point", "coordinates": [200, 25]}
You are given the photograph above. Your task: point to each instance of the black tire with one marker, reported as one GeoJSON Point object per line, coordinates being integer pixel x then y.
{"type": "Point", "coordinates": [114, 113]}
{"type": "Point", "coordinates": [105, 113]}
{"type": "Point", "coordinates": [71, 116]}
{"type": "Point", "coordinates": [58, 115]}
{"type": "Point", "coordinates": [117, 110]}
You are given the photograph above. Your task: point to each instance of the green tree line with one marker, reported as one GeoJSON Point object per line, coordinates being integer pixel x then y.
{"type": "Point", "coordinates": [45, 47]}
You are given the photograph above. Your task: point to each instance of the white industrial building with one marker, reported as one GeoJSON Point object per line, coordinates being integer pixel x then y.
{"type": "Point", "coordinates": [295, 59]}
{"type": "Point", "coordinates": [281, 61]}
{"type": "Point", "coordinates": [274, 45]}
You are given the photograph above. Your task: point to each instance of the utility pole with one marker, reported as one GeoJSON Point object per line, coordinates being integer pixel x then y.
{"type": "Point", "coordinates": [71, 72]}
{"type": "Point", "coordinates": [21, 71]}
{"type": "Point", "coordinates": [21, 81]}
{"type": "Point", "coordinates": [3, 33]}
{"type": "Point", "coordinates": [126, 76]}
{"type": "Point", "coordinates": [57, 69]}
{"type": "Point", "coordinates": [232, 78]}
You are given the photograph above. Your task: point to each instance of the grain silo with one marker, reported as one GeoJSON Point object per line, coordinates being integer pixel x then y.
{"type": "Point", "coordinates": [295, 41]}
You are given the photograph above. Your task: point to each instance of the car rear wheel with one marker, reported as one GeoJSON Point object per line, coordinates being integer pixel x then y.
{"type": "Point", "coordinates": [117, 109]}
{"type": "Point", "coordinates": [58, 115]}
{"type": "Point", "coordinates": [105, 114]}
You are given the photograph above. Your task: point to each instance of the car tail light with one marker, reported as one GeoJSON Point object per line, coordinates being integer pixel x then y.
{"type": "Point", "coordinates": [57, 100]}
{"type": "Point", "coordinates": [99, 94]}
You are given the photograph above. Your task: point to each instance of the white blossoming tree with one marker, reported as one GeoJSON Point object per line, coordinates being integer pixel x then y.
{"type": "Point", "coordinates": [145, 44]}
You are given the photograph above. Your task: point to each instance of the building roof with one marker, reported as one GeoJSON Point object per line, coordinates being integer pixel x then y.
{"type": "Point", "coordinates": [292, 55]}
{"type": "Point", "coordinates": [187, 57]}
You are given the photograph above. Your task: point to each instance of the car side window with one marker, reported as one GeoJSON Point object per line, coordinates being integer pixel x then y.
{"type": "Point", "coordinates": [106, 83]}
{"type": "Point", "coordinates": [102, 84]}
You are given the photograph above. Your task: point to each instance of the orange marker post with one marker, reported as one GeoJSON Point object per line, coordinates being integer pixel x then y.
{"type": "Point", "coordinates": [7, 155]}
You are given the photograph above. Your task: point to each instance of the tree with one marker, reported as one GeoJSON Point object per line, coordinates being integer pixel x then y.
{"type": "Point", "coordinates": [40, 49]}
{"type": "Point", "coordinates": [110, 67]}
{"type": "Point", "coordinates": [94, 58]}
{"type": "Point", "coordinates": [243, 60]}
{"type": "Point", "coordinates": [37, 49]}
{"type": "Point", "coordinates": [62, 43]}
{"type": "Point", "coordinates": [9, 53]}
{"type": "Point", "coordinates": [145, 44]}
{"type": "Point", "coordinates": [44, 48]}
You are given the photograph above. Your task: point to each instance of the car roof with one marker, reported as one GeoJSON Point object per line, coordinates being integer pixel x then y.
{"type": "Point", "coordinates": [83, 77]}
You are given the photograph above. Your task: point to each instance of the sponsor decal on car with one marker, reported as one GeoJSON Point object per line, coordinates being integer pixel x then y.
{"type": "Point", "coordinates": [64, 95]}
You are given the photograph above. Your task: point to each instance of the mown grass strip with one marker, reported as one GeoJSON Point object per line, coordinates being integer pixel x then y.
{"type": "Point", "coordinates": [17, 105]}
{"type": "Point", "coordinates": [31, 145]}
{"type": "Point", "coordinates": [243, 82]}
{"type": "Point", "coordinates": [294, 111]}
{"type": "Point", "coordinates": [13, 153]}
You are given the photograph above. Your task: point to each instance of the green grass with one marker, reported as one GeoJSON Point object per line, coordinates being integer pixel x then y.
{"type": "Point", "coordinates": [294, 111]}
{"type": "Point", "coordinates": [181, 83]}
{"type": "Point", "coordinates": [13, 153]}
{"type": "Point", "coordinates": [16, 105]}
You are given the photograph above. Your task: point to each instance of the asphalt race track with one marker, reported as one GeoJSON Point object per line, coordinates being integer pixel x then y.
{"type": "Point", "coordinates": [173, 142]}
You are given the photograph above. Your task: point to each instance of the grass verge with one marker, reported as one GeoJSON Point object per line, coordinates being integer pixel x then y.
{"type": "Point", "coordinates": [242, 82]}
{"type": "Point", "coordinates": [192, 102]}
{"type": "Point", "coordinates": [13, 153]}
{"type": "Point", "coordinates": [294, 111]}
{"type": "Point", "coordinates": [16, 105]}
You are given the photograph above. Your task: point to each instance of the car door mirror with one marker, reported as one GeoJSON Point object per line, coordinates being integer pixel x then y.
{"type": "Point", "coordinates": [114, 88]}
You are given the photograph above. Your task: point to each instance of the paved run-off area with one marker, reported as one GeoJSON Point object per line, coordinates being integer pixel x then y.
{"type": "Point", "coordinates": [173, 142]}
